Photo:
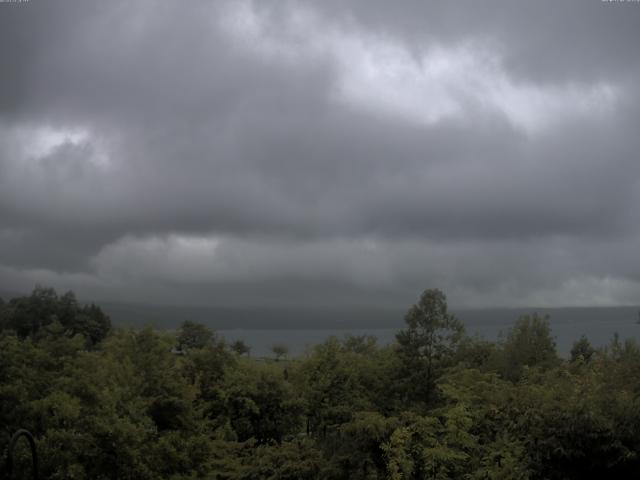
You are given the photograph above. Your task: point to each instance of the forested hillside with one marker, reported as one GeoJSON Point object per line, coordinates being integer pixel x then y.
{"type": "Point", "coordinates": [107, 403]}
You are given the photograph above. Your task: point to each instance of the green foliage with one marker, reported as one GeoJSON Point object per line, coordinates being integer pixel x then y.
{"type": "Point", "coordinates": [361, 344]}
{"type": "Point", "coordinates": [30, 316]}
{"type": "Point", "coordinates": [582, 350]}
{"type": "Point", "coordinates": [478, 353]}
{"type": "Point", "coordinates": [528, 344]}
{"type": "Point", "coordinates": [280, 351]}
{"type": "Point", "coordinates": [193, 335]}
{"type": "Point", "coordinates": [437, 405]}
{"type": "Point", "coordinates": [291, 460]}
{"type": "Point", "coordinates": [260, 404]}
{"type": "Point", "coordinates": [240, 347]}
{"type": "Point", "coordinates": [428, 344]}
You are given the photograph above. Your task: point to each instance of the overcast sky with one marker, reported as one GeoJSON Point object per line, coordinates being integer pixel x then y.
{"type": "Point", "coordinates": [322, 153]}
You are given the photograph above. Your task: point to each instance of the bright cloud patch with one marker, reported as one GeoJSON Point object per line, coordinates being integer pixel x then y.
{"type": "Point", "coordinates": [43, 141]}
{"type": "Point", "coordinates": [192, 258]}
{"type": "Point", "coordinates": [379, 74]}
{"type": "Point", "coordinates": [33, 143]}
{"type": "Point", "coordinates": [174, 257]}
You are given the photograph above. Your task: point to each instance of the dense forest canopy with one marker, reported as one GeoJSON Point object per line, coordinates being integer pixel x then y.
{"type": "Point", "coordinates": [109, 403]}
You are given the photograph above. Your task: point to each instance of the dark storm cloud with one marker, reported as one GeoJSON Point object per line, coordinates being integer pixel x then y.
{"type": "Point", "coordinates": [333, 151]}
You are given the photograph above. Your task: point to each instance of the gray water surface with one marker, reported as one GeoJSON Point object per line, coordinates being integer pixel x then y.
{"type": "Point", "coordinates": [598, 324]}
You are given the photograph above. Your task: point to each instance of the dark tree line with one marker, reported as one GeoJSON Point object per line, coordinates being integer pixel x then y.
{"type": "Point", "coordinates": [108, 403]}
{"type": "Point", "coordinates": [44, 311]}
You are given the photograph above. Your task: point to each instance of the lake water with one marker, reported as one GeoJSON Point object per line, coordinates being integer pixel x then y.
{"type": "Point", "coordinates": [598, 324]}
{"type": "Point", "coordinates": [300, 328]}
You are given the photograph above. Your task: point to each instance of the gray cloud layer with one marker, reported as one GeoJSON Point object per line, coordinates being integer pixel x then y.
{"type": "Point", "coordinates": [322, 152]}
